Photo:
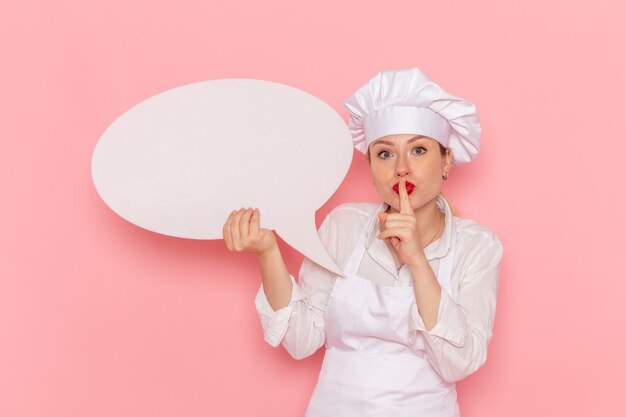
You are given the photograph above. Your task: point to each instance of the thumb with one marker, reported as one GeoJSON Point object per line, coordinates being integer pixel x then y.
{"type": "Point", "coordinates": [382, 217]}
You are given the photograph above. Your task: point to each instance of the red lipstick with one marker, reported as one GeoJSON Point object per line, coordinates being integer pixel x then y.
{"type": "Point", "coordinates": [409, 187]}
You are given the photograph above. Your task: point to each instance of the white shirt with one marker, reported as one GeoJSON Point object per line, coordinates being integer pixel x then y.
{"type": "Point", "coordinates": [456, 345]}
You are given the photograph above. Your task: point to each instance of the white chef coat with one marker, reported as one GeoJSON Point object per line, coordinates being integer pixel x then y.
{"type": "Point", "coordinates": [456, 346]}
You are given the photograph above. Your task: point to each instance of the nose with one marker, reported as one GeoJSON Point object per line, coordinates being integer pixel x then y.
{"type": "Point", "coordinates": [402, 169]}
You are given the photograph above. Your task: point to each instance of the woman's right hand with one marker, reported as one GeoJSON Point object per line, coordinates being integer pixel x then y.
{"type": "Point", "coordinates": [241, 232]}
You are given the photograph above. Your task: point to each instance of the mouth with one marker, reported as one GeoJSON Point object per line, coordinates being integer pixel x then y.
{"type": "Point", "coordinates": [409, 187]}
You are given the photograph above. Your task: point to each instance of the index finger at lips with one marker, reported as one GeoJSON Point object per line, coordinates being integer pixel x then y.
{"type": "Point", "coordinates": [405, 203]}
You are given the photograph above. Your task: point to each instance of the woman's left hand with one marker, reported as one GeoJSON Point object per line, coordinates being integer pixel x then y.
{"type": "Point", "coordinates": [401, 229]}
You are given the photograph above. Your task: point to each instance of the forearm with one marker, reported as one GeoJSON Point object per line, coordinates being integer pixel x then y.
{"type": "Point", "coordinates": [455, 360]}
{"type": "Point", "coordinates": [427, 291]}
{"type": "Point", "coordinates": [457, 343]}
{"type": "Point", "coordinates": [276, 282]}
{"type": "Point", "coordinates": [298, 327]}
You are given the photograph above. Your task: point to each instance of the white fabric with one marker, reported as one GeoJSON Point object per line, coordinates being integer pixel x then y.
{"type": "Point", "coordinates": [456, 346]}
{"type": "Point", "coordinates": [371, 366]}
{"type": "Point", "coordinates": [407, 102]}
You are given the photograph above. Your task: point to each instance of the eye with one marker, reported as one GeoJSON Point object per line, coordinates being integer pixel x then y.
{"type": "Point", "coordinates": [383, 154]}
{"type": "Point", "coordinates": [418, 150]}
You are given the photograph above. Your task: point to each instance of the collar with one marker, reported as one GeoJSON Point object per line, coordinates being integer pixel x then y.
{"type": "Point", "coordinates": [437, 249]}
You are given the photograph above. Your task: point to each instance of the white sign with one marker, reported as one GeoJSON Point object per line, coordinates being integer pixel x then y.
{"type": "Point", "coordinates": [179, 162]}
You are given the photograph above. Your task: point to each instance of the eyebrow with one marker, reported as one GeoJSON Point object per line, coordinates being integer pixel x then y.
{"type": "Point", "coordinates": [385, 142]}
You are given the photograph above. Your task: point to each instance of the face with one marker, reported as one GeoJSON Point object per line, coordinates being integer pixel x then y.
{"type": "Point", "coordinates": [416, 158]}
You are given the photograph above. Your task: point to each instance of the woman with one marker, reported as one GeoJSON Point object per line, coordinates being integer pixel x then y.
{"type": "Point", "coordinates": [414, 310]}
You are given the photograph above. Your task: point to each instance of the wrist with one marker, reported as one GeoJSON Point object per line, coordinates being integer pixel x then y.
{"type": "Point", "coordinates": [419, 261]}
{"type": "Point", "coordinates": [268, 253]}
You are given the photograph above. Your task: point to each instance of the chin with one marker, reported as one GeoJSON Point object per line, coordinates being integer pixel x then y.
{"type": "Point", "coordinates": [395, 205]}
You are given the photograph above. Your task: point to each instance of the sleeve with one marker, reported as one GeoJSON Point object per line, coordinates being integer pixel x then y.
{"type": "Point", "coordinates": [299, 326]}
{"type": "Point", "coordinates": [457, 345]}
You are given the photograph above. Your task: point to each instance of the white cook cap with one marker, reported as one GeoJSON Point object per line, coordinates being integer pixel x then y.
{"type": "Point", "coordinates": [407, 102]}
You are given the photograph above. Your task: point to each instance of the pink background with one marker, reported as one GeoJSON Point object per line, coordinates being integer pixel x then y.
{"type": "Point", "coordinates": [101, 318]}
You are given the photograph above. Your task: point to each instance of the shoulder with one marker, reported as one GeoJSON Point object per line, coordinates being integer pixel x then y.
{"type": "Point", "coordinates": [344, 221]}
{"type": "Point", "coordinates": [477, 239]}
{"type": "Point", "coordinates": [351, 214]}
{"type": "Point", "coordinates": [340, 229]}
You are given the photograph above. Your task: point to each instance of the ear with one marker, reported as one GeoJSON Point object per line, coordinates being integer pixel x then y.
{"type": "Point", "coordinates": [447, 160]}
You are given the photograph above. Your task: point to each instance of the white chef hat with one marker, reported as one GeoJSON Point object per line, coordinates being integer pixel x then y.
{"type": "Point", "coordinates": [407, 102]}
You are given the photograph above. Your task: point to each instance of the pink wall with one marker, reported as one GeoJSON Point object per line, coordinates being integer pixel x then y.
{"type": "Point", "coordinates": [101, 318]}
